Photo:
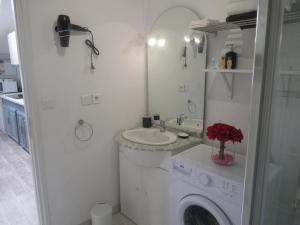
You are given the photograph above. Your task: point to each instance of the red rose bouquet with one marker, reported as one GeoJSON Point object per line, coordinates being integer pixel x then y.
{"type": "Point", "coordinates": [224, 133]}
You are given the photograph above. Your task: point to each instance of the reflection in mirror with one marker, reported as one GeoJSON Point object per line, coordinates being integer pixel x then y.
{"type": "Point", "coordinates": [176, 82]}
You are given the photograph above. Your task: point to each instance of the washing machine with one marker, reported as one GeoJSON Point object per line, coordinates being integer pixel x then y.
{"type": "Point", "coordinates": [204, 193]}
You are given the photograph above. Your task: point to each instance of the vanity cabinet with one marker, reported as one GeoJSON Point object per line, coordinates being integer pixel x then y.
{"type": "Point", "coordinates": [130, 188]}
{"type": "Point", "coordinates": [144, 187]}
{"type": "Point", "coordinates": [15, 122]}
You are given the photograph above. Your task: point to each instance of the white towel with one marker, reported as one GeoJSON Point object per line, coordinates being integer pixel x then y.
{"type": "Point", "coordinates": [238, 7]}
{"type": "Point", "coordinates": [203, 23]}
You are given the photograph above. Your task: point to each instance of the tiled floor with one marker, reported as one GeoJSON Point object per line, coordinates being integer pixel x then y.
{"type": "Point", "coordinates": [17, 201]}
{"type": "Point", "coordinates": [119, 219]}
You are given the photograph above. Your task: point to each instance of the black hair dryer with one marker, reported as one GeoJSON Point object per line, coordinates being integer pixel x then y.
{"type": "Point", "coordinates": [63, 28]}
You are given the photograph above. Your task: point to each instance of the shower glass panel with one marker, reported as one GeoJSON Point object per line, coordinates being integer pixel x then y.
{"type": "Point", "coordinates": [281, 198]}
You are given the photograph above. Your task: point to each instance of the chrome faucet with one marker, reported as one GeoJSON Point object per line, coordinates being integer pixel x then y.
{"type": "Point", "coordinates": [180, 119]}
{"type": "Point", "coordinates": [162, 125]}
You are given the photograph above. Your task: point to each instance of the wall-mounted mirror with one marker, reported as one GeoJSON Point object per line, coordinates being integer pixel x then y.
{"type": "Point", "coordinates": [176, 82]}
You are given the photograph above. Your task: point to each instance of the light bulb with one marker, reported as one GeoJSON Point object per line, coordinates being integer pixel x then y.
{"type": "Point", "coordinates": [187, 39]}
{"type": "Point", "coordinates": [197, 40]}
{"type": "Point", "coordinates": [161, 42]}
{"type": "Point", "coordinates": [152, 42]}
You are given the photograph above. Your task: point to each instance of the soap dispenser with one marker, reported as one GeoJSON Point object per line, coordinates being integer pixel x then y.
{"type": "Point", "coordinates": [230, 58]}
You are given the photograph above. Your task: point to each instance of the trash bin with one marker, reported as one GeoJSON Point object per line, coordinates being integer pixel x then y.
{"type": "Point", "coordinates": [101, 214]}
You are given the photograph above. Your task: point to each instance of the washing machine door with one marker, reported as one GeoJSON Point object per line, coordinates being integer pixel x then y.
{"type": "Point", "coordinates": [198, 210]}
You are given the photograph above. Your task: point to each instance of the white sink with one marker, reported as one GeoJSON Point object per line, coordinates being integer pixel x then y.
{"type": "Point", "coordinates": [193, 125]}
{"type": "Point", "coordinates": [150, 136]}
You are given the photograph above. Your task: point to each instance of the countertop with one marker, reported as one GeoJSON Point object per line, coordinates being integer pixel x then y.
{"type": "Point", "coordinates": [17, 101]}
{"type": "Point", "coordinates": [180, 144]}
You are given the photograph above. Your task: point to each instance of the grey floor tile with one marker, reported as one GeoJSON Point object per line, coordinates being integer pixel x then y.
{"type": "Point", "coordinates": [17, 199]}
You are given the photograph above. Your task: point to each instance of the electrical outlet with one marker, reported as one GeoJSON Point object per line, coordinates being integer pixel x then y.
{"type": "Point", "coordinates": [183, 88]}
{"type": "Point", "coordinates": [96, 98]}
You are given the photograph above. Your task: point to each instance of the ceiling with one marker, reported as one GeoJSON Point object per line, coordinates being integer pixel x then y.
{"type": "Point", "coordinates": [6, 24]}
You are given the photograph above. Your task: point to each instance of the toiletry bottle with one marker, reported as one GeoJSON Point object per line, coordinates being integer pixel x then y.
{"type": "Point", "coordinates": [229, 64]}
{"type": "Point", "coordinates": [231, 55]}
{"type": "Point", "coordinates": [214, 63]}
{"type": "Point", "coordinates": [156, 119]}
{"type": "Point", "coordinates": [147, 121]}
{"type": "Point", "coordinates": [222, 63]}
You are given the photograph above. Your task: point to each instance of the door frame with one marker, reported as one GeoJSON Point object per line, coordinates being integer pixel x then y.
{"type": "Point", "coordinates": [269, 22]}
{"type": "Point", "coordinates": [27, 73]}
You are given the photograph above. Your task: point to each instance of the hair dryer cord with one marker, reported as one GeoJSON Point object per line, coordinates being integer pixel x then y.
{"type": "Point", "coordinates": [94, 50]}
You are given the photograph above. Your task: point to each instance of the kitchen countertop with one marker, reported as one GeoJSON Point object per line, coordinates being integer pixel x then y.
{"type": "Point", "coordinates": [180, 144]}
{"type": "Point", "coordinates": [17, 101]}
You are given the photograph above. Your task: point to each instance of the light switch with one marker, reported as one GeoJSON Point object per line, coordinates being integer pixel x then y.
{"type": "Point", "coordinates": [86, 99]}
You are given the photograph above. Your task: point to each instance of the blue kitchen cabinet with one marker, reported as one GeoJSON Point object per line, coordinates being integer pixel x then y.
{"type": "Point", "coordinates": [11, 122]}
{"type": "Point", "coordinates": [22, 131]}
{"type": "Point", "coordinates": [15, 122]}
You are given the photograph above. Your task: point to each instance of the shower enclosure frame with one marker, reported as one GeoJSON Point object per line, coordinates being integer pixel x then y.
{"type": "Point", "coordinates": [268, 40]}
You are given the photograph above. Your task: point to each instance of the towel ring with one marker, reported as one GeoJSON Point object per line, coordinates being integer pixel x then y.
{"type": "Point", "coordinates": [82, 123]}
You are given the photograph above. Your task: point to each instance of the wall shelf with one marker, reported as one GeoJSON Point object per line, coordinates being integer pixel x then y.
{"type": "Point", "coordinates": [220, 26]}
{"type": "Point", "coordinates": [289, 17]}
{"type": "Point", "coordinates": [228, 71]}
{"type": "Point", "coordinates": [228, 77]}
{"type": "Point", "coordinates": [290, 72]}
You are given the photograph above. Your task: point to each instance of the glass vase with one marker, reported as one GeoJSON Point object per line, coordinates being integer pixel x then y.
{"type": "Point", "coordinates": [221, 155]}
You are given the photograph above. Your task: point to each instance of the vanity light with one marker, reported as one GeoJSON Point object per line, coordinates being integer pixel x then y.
{"type": "Point", "coordinates": [187, 39]}
{"type": "Point", "coordinates": [197, 40]}
{"type": "Point", "coordinates": [152, 42]}
{"type": "Point", "coordinates": [161, 42]}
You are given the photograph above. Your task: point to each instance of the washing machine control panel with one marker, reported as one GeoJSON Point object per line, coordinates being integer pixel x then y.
{"type": "Point", "coordinates": [204, 179]}
{"type": "Point", "coordinates": [210, 182]}
{"type": "Point", "coordinates": [181, 170]}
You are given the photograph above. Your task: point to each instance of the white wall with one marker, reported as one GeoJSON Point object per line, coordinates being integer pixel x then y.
{"type": "Point", "coordinates": [79, 174]}
{"type": "Point", "coordinates": [219, 108]}
{"type": "Point", "coordinates": [6, 26]}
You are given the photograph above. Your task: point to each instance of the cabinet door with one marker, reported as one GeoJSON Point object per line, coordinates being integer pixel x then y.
{"type": "Point", "coordinates": [130, 189]}
{"type": "Point", "coordinates": [13, 123]}
{"type": "Point", "coordinates": [155, 183]}
{"type": "Point", "coordinates": [2, 123]}
{"type": "Point", "coordinates": [21, 120]}
{"type": "Point", "coordinates": [7, 123]}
